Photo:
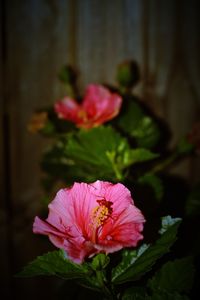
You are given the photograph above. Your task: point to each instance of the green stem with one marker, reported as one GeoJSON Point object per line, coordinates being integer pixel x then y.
{"type": "Point", "coordinates": [164, 164]}
{"type": "Point", "coordinates": [118, 174]}
{"type": "Point", "coordinates": [106, 291]}
{"type": "Point", "coordinates": [111, 156]}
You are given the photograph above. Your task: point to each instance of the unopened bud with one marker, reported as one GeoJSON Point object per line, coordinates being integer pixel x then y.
{"type": "Point", "coordinates": [67, 75]}
{"type": "Point", "coordinates": [128, 74]}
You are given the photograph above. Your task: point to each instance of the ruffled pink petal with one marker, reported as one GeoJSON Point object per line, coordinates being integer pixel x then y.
{"type": "Point", "coordinates": [126, 222]}
{"type": "Point", "coordinates": [57, 241]}
{"type": "Point", "coordinates": [55, 236]}
{"type": "Point", "coordinates": [68, 109]}
{"type": "Point", "coordinates": [70, 211]}
{"type": "Point", "coordinates": [122, 230]}
{"type": "Point", "coordinates": [99, 188]}
{"type": "Point", "coordinates": [120, 196]}
{"type": "Point", "coordinates": [101, 105]}
{"type": "Point", "coordinates": [42, 227]}
{"type": "Point", "coordinates": [82, 202]}
{"type": "Point", "coordinates": [95, 99]}
{"type": "Point", "coordinates": [73, 220]}
{"type": "Point", "coordinates": [110, 109]}
{"type": "Point", "coordinates": [59, 210]}
{"type": "Point", "coordinates": [77, 251]}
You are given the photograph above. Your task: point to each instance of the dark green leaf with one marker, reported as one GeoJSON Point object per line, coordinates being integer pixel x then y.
{"type": "Point", "coordinates": [135, 293]}
{"type": "Point", "coordinates": [100, 261]}
{"type": "Point", "coordinates": [101, 148]}
{"type": "Point", "coordinates": [92, 146]}
{"type": "Point", "coordinates": [154, 182]}
{"type": "Point", "coordinates": [60, 167]}
{"type": "Point", "coordinates": [54, 263]}
{"type": "Point", "coordinates": [100, 153]}
{"type": "Point", "coordinates": [131, 118]}
{"type": "Point", "coordinates": [141, 294]}
{"type": "Point", "coordinates": [174, 276]}
{"type": "Point", "coordinates": [164, 295]}
{"type": "Point", "coordinates": [90, 282]}
{"type": "Point", "coordinates": [135, 263]}
{"type": "Point", "coordinates": [106, 151]}
{"type": "Point", "coordinates": [141, 155]}
{"type": "Point", "coordinates": [140, 126]}
{"type": "Point", "coordinates": [168, 222]}
{"type": "Point", "coordinates": [48, 129]}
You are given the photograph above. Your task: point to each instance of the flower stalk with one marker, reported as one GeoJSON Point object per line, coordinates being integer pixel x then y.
{"type": "Point", "coordinates": [100, 278]}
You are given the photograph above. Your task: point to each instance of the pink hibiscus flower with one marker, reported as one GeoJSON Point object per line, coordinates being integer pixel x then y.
{"type": "Point", "coordinates": [90, 218]}
{"type": "Point", "coordinates": [99, 105]}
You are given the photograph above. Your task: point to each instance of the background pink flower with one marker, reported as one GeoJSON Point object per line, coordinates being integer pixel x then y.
{"type": "Point", "coordinates": [90, 218]}
{"type": "Point", "coordinates": [99, 105]}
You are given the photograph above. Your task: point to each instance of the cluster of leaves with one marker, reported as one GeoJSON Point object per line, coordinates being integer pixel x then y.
{"type": "Point", "coordinates": [100, 153]}
{"type": "Point", "coordinates": [132, 149]}
{"type": "Point", "coordinates": [171, 281]}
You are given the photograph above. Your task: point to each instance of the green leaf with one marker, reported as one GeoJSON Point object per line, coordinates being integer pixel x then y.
{"type": "Point", "coordinates": [91, 146]}
{"type": "Point", "coordinates": [60, 167]}
{"type": "Point", "coordinates": [100, 261]}
{"type": "Point", "coordinates": [135, 263]}
{"type": "Point", "coordinates": [154, 182]}
{"type": "Point", "coordinates": [140, 126]}
{"type": "Point", "coordinates": [168, 222]}
{"type": "Point", "coordinates": [48, 129]}
{"type": "Point", "coordinates": [174, 276]}
{"type": "Point", "coordinates": [99, 153]}
{"type": "Point", "coordinates": [101, 148]}
{"type": "Point", "coordinates": [164, 295]}
{"type": "Point", "coordinates": [90, 282]}
{"type": "Point", "coordinates": [131, 118]}
{"type": "Point", "coordinates": [104, 150]}
{"type": "Point", "coordinates": [140, 293]}
{"type": "Point", "coordinates": [141, 155]}
{"type": "Point", "coordinates": [135, 293]}
{"type": "Point", "coordinates": [54, 263]}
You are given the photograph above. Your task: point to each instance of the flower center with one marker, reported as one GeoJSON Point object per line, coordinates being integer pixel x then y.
{"type": "Point", "coordinates": [101, 212]}
{"type": "Point", "coordinates": [82, 115]}
{"type": "Point", "coordinates": [99, 216]}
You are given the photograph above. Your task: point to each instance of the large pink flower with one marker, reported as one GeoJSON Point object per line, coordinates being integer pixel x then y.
{"type": "Point", "coordinates": [99, 105]}
{"type": "Point", "coordinates": [90, 218]}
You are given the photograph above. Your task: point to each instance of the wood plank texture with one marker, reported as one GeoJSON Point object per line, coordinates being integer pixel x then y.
{"type": "Point", "coordinates": [173, 63]}
{"type": "Point", "coordinates": [38, 44]}
{"type": "Point", "coordinates": [93, 36]}
{"type": "Point", "coordinates": [4, 258]}
{"type": "Point", "coordinates": [106, 37]}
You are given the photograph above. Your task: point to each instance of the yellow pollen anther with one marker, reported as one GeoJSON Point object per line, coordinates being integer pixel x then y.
{"type": "Point", "coordinates": [82, 114]}
{"type": "Point", "coordinates": [99, 215]}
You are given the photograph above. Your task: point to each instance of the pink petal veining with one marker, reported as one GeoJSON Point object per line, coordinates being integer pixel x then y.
{"type": "Point", "coordinates": [99, 106]}
{"type": "Point", "coordinates": [90, 218]}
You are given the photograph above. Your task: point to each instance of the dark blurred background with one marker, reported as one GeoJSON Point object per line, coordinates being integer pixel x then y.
{"type": "Point", "coordinates": [37, 38]}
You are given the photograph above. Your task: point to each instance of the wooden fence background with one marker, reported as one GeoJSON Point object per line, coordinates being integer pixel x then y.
{"type": "Point", "coordinates": [37, 38]}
